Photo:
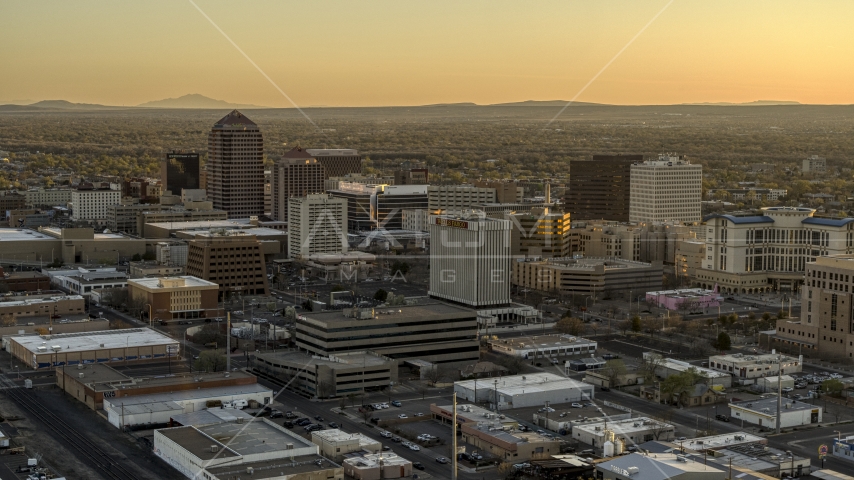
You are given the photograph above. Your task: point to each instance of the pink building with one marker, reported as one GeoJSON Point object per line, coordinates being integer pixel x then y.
{"type": "Point", "coordinates": [697, 299]}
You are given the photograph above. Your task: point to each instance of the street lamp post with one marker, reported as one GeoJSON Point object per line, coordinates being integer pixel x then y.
{"type": "Point", "coordinates": [149, 313]}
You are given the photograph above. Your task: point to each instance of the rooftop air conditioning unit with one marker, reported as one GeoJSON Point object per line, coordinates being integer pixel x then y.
{"type": "Point", "coordinates": [79, 366]}
{"type": "Point", "coordinates": [289, 446]}
{"type": "Point", "coordinates": [633, 470]}
{"type": "Point", "coordinates": [250, 471]}
{"type": "Point", "coordinates": [80, 375]}
{"type": "Point", "coordinates": [214, 448]}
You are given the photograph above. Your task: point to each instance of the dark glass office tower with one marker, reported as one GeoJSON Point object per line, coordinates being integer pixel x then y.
{"type": "Point", "coordinates": [180, 170]}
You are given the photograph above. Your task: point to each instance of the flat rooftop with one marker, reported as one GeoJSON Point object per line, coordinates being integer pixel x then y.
{"type": "Point", "coordinates": [197, 443]}
{"type": "Point", "coordinates": [341, 360]}
{"type": "Point", "coordinates": [373, 460]}
{"type": "Point", "coordinates": [591, 263]}
{"type": "Point", "coordinates": [542, 341]}
{"type": "Point", "coordinates": [473, 413]}
{"type": "Point", "coordinates": [718, 441]}
{"type": "Point", "coordinates": [211, 416]}
{"type": "Point", "coordinates": [494, 430]}
{"type": "Point", "coordinates": [39, 301]}
{"type": "Point", "coordinates": [274, 468]}
{"type": "Point", "coordinates": [237, 223]}
{"type": "Point", "coordinates": [335, 435]}
{"type": "Point", "coordinates": [101, 377]}
{"type": "Point", "coordinates": [681, 366]}
{"type": "Point", "coordinates": [769, 358]}
{"type": "Point", "coordinates": [770, 403]}
{"type": "Point", "coordinates": [257, 231]}
{"type": "Point", "coordinates": [258, 436]}
{"type": "Point", "coordinates": [625, 427]}
{"type": "Point", "coordinates": [86, 341]}
{"type": "Point", "coordinates": [158, 283]}
{"type": "Point", "coordinates": [755, 456]}
{"type": "Point", "coordinates": [222, 393]}
{"type": "Point", "coordinates": [424, 311]}
{"type": "Point", "coordinates": [323, 152]}
{"type": "Point", "coordinates": [597, 411]}
{"type": "Point", "coordinates": [661, 465]}
{"type": "Point", "coordinates": [21, 234]}
{"type": "Point", "coordinates": [529, 383]}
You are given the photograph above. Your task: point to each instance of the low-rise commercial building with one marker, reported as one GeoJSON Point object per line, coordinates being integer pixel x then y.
{"type": "Point", "coordinates": [519, 391]}
{"type": "Point", "coordinates": [542, 346]}
{"type": "Point", "coordinates": [71, 245]}
{"type": "Point", "coordinates": [763, 412]}
{"type": "Point", "coordinates": [177, 297]}
{"type": "Point", "coordinates": [666, 367]}
{"type": "Point", "coordinates": [584, 364]}
{"type": "Point", "coordinates": [773, 384]}
{"type": "Point", "coordinates": [587, 276]}
{"type": "Point", "coordinates": [689, 300]}
{"type": "Point", "coordinates": [91, 383]}
{"type": "Point", "coordinates": [156, 409]}
{"type": "Point", "coordinates": [335, 444]}
{"type": "Point", "coordinates": [83, 281]}
{"type": "Point", "coordinates": [121, 346]}
{"type": "Point", "coordinates": [259, 449]}
{"type": "Point", "coordinates": [509, 445]}
{"type": "Point", "coordinates": [337, 375]}
{"type": "Point", "coordinates": [747, 368]}
{"type": "Point", "coordinates": [433, 331]}
{"type": "Point", "coordinates": [631, 431]}
{"type": "Point", "coordinates": [43, 306]}
{"type": "Point", "coordinates": [758, 459]}
{"type": "Point", "coordinates": [564, 417]}
{"type": "Point", "coordinates": [153, 269]}
{"type": "Point", "coordinates": [844, 448]}
{"type": "Point", "coordinates": [377, 466]}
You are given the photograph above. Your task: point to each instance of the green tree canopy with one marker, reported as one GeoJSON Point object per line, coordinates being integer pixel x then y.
{"type": "Point", "coordinates": [380, 295]}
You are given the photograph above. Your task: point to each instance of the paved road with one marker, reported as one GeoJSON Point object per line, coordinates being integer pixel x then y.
{"type": "Point", "coordinates": [806, 442]}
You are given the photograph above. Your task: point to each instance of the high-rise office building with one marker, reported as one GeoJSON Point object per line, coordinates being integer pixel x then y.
{"type": "Point", "coordinates": [337, 161]}
{"type": "Point", "coordinates": [297, 174]}
{"type": "Point", "coordinates": [599, 189]}
{"type": "Point", "coordinates": [826, 327]}
{"type": "Point", "coordinates": [394, 199]}
{"type": "Point", "coordinates": [361, 204]}
{"type": "Point", "coordinates": [505, 192]}
{"type": "Point", "coordinates": [316, 224]}
{"type": "Point", "coordinates": [411, 176]}
{"type": "Point", "coordinates": [235, 166]}
{"type": "Point", "coordinates": [234, 261]}
{"type": "Point", "coordinates": [470, 259]}
{"type": "Point", "coordinates": [180, 170]}
{"type": "Point", "coordinates": [666, 190]}
{"type": "Point", "coordinates": [457, 197]}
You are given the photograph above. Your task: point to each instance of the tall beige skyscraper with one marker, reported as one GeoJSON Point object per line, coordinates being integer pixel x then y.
{"type": "Point", "coordinates": [666, 190]}
{"type": "Point", "coordinates": [235, 166]}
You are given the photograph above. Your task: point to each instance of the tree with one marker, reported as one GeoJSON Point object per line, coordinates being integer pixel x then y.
{"type": "Point", "coordinates": [723, 342]}
{"type": "Point", "coordinates": [338, 288]}
{"type": "Point", "coordinates": [766, 316]}
{"type": "Point", "coordinates": [380, 295]}
{"type": "Point", "coordinates": [7, 320]}
{"type": "Point", "coordinates": [399, 267]}
{"type": "Point", "coordinates": [624, 326]}
{"type": "Point", "coordinates": [210, 361]}
{"type": "Point", "coordinates": [570, 326]}
{"type": "Point", "coordinates": [148, 256]}
{"type": "Point", "coordinates": [513, 365]}
{"type": "Point", "coordinates": [366, 413]}
{"type": "Point", "coordinates": [833, 386]}
{"type": "Point", "coordinates": [636, 324]}
{"type": "Point", "coordinates": [136, 257]}
{"type": "Point", "coordinates": [614, 369]}
{"type": "Point", "coordinates": [782, 314]}
{"type": "Point", "coordinates": [648, 365]}
{"type": "Point", "coordinates": [423, 390]}
{"type": "Point", "coordinates": [210, 334]}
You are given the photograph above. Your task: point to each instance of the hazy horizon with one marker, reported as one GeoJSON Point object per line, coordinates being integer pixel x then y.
{"type": "Point", "coordinates": [338, 54]}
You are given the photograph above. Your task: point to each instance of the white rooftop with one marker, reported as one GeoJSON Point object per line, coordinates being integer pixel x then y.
{"type": "Point", "coordinates": [717, 441]}
{"type": "Point", "coordinates": [373, 460]}
{"type": "Point", "coordinates": [19, 234]}
{"type": "Point", "coordinates": [162, 282]}
{"type": "Point", "coordinates": [81, 342]}
{"type": "Point", "coordinates": [534, 382]}
{"type": "Point", "coordinates": [241, 223]}
{"type": "Point", "coordinates": [221, 393]}
{"type": "Point", "coordinates": [620, 427]}
{"type": "Point", "coordinates": [36, 301]}
{"type": "Point", "coordinates": [335, 435]}
{"type": "Point", "coordinates": [257, 231]}
{"type": "Point", "coordinates": [681, 366]}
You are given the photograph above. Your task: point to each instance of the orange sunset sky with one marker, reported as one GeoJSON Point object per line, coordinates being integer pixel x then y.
{"type": "Point", "coordinates": [345, 53]}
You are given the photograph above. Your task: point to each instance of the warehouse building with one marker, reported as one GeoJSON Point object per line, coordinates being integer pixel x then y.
{"type": "Point", "coordinates": [763, 412]}
{"type": "Point", "coordinates": [258, 450]}
{"type": "Point", "coordinates": [666, 367]}
{"type": "Point", "coordinates": [587, 276]}
{"type": "Point", "coordinates": [91, 383]}
{"type": "Point", "coordinates": [508, 445]}
{"type": "Point", "coordinates": [159, 408]}
{"type": "Point", "coordinates": [747, 368]}
{"type": "Point", "coordinates": [519, 391]}
{"type": "Point", "coordinates": [119, 346]}
{"type": "Point", "coordinates": [335, 444]}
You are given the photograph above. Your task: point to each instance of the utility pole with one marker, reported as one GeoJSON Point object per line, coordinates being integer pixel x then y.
{"type": "Point", "coordinates": [496, 395]}
{"type": "Point", "coordinates": [454, 444]}
{"type": "Point", "coordinates": [228, 342]}
{"type": "Point", "coordinates": [779, 389]}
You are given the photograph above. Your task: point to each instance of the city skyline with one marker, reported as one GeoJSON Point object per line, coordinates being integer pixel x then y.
{"type": "Point", "coordinates": [386, 54]}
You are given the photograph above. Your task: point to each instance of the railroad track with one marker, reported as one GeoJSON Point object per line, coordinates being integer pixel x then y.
{"type": "Point", "coordinates": [100, 460]}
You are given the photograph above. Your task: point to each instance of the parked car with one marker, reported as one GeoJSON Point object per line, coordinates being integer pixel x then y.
{"type": "Point", "coordinates": [788, 389]}
{"type": "Point", "coordinates": [385, 434]}
{"type": "Point", "coordinates": [609, 356]}
{"type": "Point", "coordinates": [442, 460]}
{"type": "Point", "coordinates": [334, 425]}
{"type": "Point", "coordinates": [318, 418]}
{"type": "Point", "coordinates": [417, 465]}
{"type": "Point", "coordinates": [576, 405]}
{"type": "Point", "coordinates": [396, 403]}
{"type": "Point", "coordinates": [464, 456]}
{"type": "Point", "coordinates": [290, 415]}
{"type": "Point", "coordinates": [288, 424]}
{"type": "Point", "coordinates": [604, 389]}
{"type": "Point", "coordinates": [722, 418]}
{"type": "Point", "coordinates": [276, 414]}
{"type": "Point", "coordinates": [402, 415]}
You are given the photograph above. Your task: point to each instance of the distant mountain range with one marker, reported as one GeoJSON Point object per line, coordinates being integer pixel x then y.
{"type": "Point", "coordinates": [197, 101]}
{"type": "Point", "coordinates": [755, 103]}
{"type": "Point", "coordinates": [194, 100]}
